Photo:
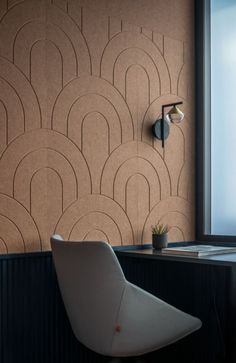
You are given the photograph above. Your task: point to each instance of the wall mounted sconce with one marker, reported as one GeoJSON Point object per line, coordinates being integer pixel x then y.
{"type": "Point", "coordinates": [161, 128]}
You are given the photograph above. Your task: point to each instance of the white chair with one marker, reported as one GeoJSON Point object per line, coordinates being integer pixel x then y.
{"type": "Point", "coordinates": [108, 314]}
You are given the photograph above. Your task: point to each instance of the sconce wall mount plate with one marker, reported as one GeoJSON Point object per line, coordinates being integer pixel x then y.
{"type": "Point", "coordinates": [156, 130]}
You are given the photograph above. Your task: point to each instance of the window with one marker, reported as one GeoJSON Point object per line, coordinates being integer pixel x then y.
{"type": "Point", "coordinates": [216, 119]}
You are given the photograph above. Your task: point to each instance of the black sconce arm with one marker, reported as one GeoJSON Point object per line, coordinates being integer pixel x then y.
{"type": "Point", "coordinates": [163, 118]}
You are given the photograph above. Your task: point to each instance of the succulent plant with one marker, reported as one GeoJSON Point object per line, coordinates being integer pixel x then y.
{"type": "Point", "coordinates": [160, 228]}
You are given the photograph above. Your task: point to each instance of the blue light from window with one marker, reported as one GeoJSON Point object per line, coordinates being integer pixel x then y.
{"type": "Point", "coordinates": [223, 116]}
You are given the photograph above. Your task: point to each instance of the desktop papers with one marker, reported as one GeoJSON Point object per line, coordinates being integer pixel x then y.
{"type": "Point", "coordinates": [198, 250]}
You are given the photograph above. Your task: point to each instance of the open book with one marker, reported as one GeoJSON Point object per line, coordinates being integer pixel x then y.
{"type": "Point", "coordinates": [198, 250]}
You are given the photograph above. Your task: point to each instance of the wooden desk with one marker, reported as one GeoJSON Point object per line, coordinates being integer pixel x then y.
{"type": "Point", "coordinates": [202, 286]}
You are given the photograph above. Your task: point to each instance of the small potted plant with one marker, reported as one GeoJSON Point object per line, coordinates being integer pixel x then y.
{"type": "Point", "coordinates": [160, 236]}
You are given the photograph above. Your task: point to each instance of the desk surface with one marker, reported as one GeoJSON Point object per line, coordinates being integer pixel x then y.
{"type": "Point", "coordinates": [228, 259]}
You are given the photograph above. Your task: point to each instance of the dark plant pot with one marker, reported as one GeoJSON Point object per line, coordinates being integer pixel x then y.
{"type": "Point", "coordinates": [159, 241]}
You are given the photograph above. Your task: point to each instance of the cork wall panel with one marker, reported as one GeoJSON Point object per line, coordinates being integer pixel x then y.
{"type": "Point", "coordinates": [79, 92]}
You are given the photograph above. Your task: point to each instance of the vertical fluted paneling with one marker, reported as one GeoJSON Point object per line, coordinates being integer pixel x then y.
{"type": "Point", "coordinates": [34, 327]}
{"type": "Point", "coordinates": [33, 324]}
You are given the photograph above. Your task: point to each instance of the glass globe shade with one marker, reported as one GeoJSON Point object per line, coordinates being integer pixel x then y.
{"type": "Point", "coordinates": [175, 115]}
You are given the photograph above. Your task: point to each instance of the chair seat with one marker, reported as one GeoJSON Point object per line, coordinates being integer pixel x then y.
{"type": "Point", "coordinates": [148, 323]}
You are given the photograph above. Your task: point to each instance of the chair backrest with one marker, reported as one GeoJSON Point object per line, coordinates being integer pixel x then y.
{"type": "Point", "coordinates": [92, 284]}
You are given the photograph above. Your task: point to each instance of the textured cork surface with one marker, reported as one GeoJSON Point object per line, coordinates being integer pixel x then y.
{"type": "Point", "coordinates": [80, 88]}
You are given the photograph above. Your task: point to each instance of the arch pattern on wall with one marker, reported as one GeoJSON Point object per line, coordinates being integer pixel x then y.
{"type": "Point", "coordinates": [79, 92]}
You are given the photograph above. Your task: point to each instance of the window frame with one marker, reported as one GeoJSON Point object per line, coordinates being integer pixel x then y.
{"type": "Point", "coordinates": [203, 129]}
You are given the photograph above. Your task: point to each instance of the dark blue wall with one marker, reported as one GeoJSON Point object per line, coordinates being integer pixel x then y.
{"type": "Point", "coordinates": [34, 327]}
